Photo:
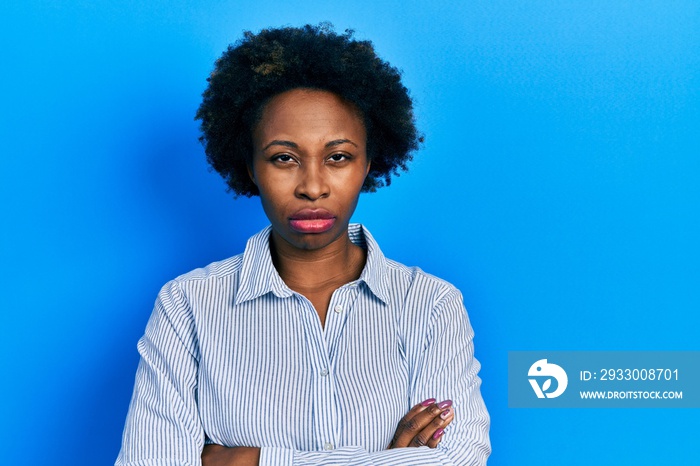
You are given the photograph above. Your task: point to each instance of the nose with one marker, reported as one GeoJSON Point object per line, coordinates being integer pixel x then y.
{"type": "Point", "coordinates": [312, 183]}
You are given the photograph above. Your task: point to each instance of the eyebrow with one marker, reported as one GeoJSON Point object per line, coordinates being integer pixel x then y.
{"type": "Point", "coordinates": [294, 145]}
{"type": "Point", "coordinates": [338, 142]}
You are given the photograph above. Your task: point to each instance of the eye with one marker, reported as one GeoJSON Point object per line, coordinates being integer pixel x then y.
{"type": "Point", "coordinates": [282, 158]}
{"type": "Point", "coordinates": [339, 157]}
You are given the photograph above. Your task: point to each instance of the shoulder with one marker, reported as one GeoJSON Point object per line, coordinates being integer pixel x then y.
{"type": "Point", "coordinates": [214, 271]}
{"type": "Point", "coordinates": [422, 303]}
{"type": "Point", "coordinates": [415, 284]}
{"type": "Point", "coordinates": [404, 284]}
{"type": "Point", "coordinates": [208, 282]}
{"type": "Point", "coordinates": [256, 253]}
{"type": "Point", "coordinates": [201, 282]}
{"type": "Point", "coordinates": [427, 309]}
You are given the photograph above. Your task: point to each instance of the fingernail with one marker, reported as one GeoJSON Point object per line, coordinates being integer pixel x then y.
{"type": "Point", "coordinates": [428, 402]}
{"type": "Point", "coordinates": [445, 404]}
{"type": "Point", "coordinates": [445, 414]}
{"type": "Point", "coordinates": [438, 433]}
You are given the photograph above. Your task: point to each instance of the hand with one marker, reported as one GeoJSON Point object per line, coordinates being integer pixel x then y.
{"type": "Point", "coordinates": [217, 455]}
{"type": "Point", "coordinates": [423, 425]}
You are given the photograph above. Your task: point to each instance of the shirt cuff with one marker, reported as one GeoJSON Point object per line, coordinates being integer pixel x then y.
{"type": "Point", "coordinates": [275, 456]}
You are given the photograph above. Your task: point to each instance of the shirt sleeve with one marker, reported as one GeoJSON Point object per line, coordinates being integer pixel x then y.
{"type": "Point", "coordinates": [163, 427]}
{"type": "Point", "coordinates": [443, 367]}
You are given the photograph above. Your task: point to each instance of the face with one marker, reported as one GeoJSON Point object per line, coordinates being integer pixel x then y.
{"type": "Point", "coordinates": [309, 164]}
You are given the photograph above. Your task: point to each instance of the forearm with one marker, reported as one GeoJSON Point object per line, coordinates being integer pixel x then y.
{"type": "Point", "coordinates": [356, 456]}
{"type": "Point", "coordinates": [216, 455]}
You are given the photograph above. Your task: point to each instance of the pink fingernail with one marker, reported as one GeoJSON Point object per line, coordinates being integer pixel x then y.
{"type": "Point", "coordinates": [438, 433]}
{"type": "Point", "coordinates": [445, 404]}
{"type": "Point", "coordinates": [445, 414]}
{"type": "Point", "coordinates": [428, 402]}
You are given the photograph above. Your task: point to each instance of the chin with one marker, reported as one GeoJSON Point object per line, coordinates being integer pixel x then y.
{"type": "Point", "coordinates": [313, 241]}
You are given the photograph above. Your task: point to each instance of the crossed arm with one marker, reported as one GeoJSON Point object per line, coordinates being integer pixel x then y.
{"type": "Point", "coordinates": [423, 425]}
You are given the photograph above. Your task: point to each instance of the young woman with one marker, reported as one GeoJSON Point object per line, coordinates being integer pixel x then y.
{"type": "Point", "coordinates": [310, 347]}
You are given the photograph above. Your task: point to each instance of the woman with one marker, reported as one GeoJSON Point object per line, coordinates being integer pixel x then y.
{"type": "Point", "coordinates": [310, 347]}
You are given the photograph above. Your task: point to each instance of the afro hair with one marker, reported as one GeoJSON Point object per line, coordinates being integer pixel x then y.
{"type": "Point", "coordinates": [260, 66]}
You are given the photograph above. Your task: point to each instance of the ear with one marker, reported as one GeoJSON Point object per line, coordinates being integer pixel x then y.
{"type": "Point", "coordinates": [251, 174]}
{"type": "Point", "coordinates": [369, 164]}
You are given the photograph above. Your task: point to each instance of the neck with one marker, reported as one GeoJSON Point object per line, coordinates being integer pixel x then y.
{"type": "Point", "coordinates": [314, 270]}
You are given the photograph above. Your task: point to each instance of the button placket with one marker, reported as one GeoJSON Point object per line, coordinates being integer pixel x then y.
{"type": "Point", "coordinates": [339, 311]}
{"type": "Point", "coordinates": [325, 421]}
{"type": "Point", "coordinates": [341, 306]}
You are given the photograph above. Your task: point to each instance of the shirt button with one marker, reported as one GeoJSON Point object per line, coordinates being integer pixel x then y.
{"type": "Point", "coordinates": [328, 446]}
{"type": "Point", "coordinates": [338, 309]}
{"type": "Point", "coordinates": [324, 372]}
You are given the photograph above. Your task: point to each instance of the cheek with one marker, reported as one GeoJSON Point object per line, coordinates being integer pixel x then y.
{"type": "Point", "coordinates": [274, 212]}
{"type": "Point", "coordinates": [348, 192]}
{"type": "Point", "coordinates": [274, 198]}
{"type": "Point", "coordinates": [267, 181]}
{"type": "Point", "coordinates": [355, 181]}
{"type": "Point", "coordinates": [271, 199]}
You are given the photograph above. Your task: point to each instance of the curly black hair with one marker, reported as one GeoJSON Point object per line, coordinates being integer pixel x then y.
{"type": "Point", "coordinates": [260, 66]}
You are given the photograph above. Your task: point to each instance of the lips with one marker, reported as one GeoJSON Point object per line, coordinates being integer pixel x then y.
{"type": "Point", "coordinates": [312, 221]}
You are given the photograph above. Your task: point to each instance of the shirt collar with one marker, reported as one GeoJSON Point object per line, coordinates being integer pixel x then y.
{"type": "Point", "coordinates": [259, 276]}
{"type": "Point", "coordinates": [258, 273]}
{"type": "Point", "coordinates": [374, 275]}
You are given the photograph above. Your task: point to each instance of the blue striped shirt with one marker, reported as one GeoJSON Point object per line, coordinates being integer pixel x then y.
{"type": "Point", "coordinates": [233, 356]}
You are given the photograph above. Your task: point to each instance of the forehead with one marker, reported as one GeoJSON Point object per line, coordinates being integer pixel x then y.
{"type": "Point", "coordinates": [309, 112]}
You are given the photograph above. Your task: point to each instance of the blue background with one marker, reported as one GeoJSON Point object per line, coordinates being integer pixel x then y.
{"type": "Point", "coordinates": [558, 188]}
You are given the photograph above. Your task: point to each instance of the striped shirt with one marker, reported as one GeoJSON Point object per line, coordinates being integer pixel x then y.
{"type": "Point", "coordinates": [233, 356]}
